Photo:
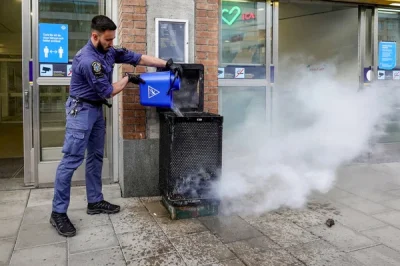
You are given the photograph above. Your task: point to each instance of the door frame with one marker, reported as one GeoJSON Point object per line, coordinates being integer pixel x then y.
{"type": "Point", "coordinates": [267, 83]}
{"type": "Point", "coordinates": [29, 176]}
{"type": "Point", "coordinates": [33, 166]}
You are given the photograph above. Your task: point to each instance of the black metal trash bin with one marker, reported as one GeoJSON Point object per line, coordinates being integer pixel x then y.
{"type": "Point", "coordinates": [190, 150]}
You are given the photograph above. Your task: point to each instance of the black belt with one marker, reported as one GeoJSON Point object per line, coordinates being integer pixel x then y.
{"type": "Point", "coordinates": [96, 103]}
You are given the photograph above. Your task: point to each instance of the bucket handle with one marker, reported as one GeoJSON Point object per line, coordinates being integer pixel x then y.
{"type": "Point", "coordinates": [172, 83]}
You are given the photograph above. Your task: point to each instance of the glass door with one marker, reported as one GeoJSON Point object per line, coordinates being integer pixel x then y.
{"type": "Point", "coordinates": [245, 62]}
{"type": "Point", "coordinates": [66, 23]}
{"type": "Point", "coordinates": [15, 133]}
{"type": "Point", "coordinates": [388, 63]}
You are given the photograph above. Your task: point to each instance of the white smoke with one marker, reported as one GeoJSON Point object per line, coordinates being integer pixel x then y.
{"type": "Point", "coordinates": [321, 122]}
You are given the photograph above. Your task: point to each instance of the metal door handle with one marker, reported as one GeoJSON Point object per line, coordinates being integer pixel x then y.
{"type": "Point", "coordinates": [26, 99]}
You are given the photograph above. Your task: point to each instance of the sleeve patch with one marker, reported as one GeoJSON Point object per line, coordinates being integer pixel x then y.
{"type": "Point", "coordinates": [97, 69]}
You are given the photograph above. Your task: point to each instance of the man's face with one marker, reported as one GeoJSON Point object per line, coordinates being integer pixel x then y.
{"type": "Point", "coordinates": [104, 41]}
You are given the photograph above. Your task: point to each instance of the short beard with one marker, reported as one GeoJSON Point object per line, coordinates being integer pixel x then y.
{"type": "Point", "coordinates": [101, 49]}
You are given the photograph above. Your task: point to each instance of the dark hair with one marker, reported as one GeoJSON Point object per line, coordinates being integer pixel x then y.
{"type": "Point", "coordinates": [102, 23]}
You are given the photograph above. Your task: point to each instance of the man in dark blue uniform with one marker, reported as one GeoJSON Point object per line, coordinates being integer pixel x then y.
{"type": "Point", "coordinates": [91, 86]}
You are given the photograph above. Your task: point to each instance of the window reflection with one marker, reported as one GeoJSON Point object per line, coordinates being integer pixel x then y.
{"type": "Point", "coordinates": [389, 25]}
{"type": "Point", "coordinates": [77, 14]}
{"type": "Point", "coordinates": [242, 31]}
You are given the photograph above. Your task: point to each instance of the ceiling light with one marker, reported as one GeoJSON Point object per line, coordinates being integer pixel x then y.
{"type": "Point", "coordinates": [395, 4]}
{"type": "Point", "coordinates": [390, 10]}
{"type": "Point", "coordinates": [387, 12]}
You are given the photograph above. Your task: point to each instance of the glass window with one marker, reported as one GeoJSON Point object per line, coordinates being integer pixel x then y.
{"type": "Point", "coordinates": [389, 23]}
{"type": "Point", "coordinates": [242, 44]}
{"type": "Point", "coordinates": [77, 14]}
{"type": "Point", "coordinates": [237, 104]}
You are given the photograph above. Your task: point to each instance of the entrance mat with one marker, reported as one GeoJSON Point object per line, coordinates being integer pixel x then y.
{"type": "Point", "coordinates": [9, 167]}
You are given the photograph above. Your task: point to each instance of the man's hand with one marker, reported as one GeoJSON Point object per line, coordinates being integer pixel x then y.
{"type": "Point", "coordinates": [170, 65]}
{"type": "Point", "coordinates": [135, 79]}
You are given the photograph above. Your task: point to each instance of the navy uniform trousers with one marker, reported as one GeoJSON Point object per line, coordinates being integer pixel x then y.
{"type": "Point", "coordinates": [85, 130]}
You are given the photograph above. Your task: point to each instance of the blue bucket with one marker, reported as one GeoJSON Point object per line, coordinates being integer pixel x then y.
{"type": "Point", "coordinates": [158, 88]}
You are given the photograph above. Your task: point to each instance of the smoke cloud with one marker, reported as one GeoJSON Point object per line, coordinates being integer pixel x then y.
{"type": "Point", "coordinates": [321, 120]}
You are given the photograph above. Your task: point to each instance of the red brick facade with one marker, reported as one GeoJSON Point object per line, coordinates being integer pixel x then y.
{"type": "Point", "coordinates": [206, 52]}
{"type": "Point", "coordinates": [132, 34]}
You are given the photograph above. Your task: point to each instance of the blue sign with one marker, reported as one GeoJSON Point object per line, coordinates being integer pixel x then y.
{"type": "Point", "coordinates": [53, 43]}
{"type": "Point", "coordinates": [387, 55]}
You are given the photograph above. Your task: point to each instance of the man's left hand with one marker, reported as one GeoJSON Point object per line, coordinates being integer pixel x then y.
{"type": "Point", "coordinates": [170, 65]}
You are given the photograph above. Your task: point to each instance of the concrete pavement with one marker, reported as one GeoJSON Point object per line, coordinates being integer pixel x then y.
{"type": "Point", "coordinates": [365, 205]}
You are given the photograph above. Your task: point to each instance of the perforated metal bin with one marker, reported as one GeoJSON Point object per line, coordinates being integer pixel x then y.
{"type": "Point", "coordinates": [190, 146]}
{"type": "Point", "coordinates": [190, 157]}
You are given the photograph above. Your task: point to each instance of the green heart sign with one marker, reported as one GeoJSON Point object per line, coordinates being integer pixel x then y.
{"type": "Point", "coordinates": [236, 13]}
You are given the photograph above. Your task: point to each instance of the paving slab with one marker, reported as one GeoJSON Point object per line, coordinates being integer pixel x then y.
{"type": "Point", "coordinates": [387, 235]}
{"type": "Point", "coordinates": [109, 257]}
{"type": "Point", "coordinates": [254, 245]}
{"type": "Point", "coordinates": [304, 218]}
{"type": "Point", "coordinates": [285, 233]}
{"type": "Point", "coordinates": [342, 237]}
{"type": "Point", "coordinates": [132, 204]}
{"type": "Point", "coordinates": [37, 235]}
{"type": "Point", "coordinates": [92, 238]}
{"type": "Point", "coordinates": [268, 216]}
{"type": "Point", "coordinates": [273, 257]}
{"type": "Point", "coordinates": [322, 253]}
{"type": "Point", "coordinates": [201, 248]}
{"type": "Point", "coordinates": [374, 195]}
{"type": "Point", "coordinates": [50, 255]}
{"type": "Point", "coordinates": [390, 217]}
{"type": "Point", "coordinates": [356, 220]}
{"type": "Point", "coordinates": [9, 227]}
{"type": "Point", "coordinates": [378, 255]}
{"type": "Point", "coordinates": [143, 244]}
{"type": "Point", "coordinates": [81, 219]}
{"type": "Point", "coordinates": [14, 195]}
{"type": "Point", "coordinates": [156, 208]}
{"type": "Point", "coordinates": [128, 221]}
{"type": "Point", "coordinates": [337, 193]}
{"type": "Point", "coordinates": [41, 197]}
{"type": "Point", "coordinates": [175, 228]}
{"type": "Point", "coordinates": [364, 205]}
{"type": "Point", "coordinates": [166, 259]}
{"type": "Point", "coordinates": [324, 206]}
{"type": "Point", "coordinates": [262, 251]}
{"type": "Point", "coordinates": [13, 184]}
{"type": "Point", "coordinates": [6, 249]}
{"type": "Point", "coordinates": [235, 262]}
{"type": "Point", "coordinates": [150, 199]}
{"type": "Point", "coordinates": [394, 192]}
{"type": "Point", "coordinates": [230, 228]}
{"type": "Point", "coordinates": [111, 192]}
{"type": "Point", "coordinates": [392, 204]}
{"type": "Point", "coordinates": [37, 215]}
{"type": "Point", "coordinates": [12, 209]}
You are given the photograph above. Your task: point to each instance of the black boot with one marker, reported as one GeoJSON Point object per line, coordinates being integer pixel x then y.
{"type": "Point", "coordinates": [62, 223]}
{"type": "Point", "coordinates": [102, 207]}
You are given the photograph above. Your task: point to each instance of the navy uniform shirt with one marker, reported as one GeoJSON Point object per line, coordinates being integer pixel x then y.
{"type": "Point", "coordinates": [92, 71]}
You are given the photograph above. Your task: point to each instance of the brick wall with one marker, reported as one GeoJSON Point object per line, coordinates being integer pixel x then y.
{"type": "Point", "coordinates": [206, 52]}
{"type": "Point", "coordinates": [132, 35]}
